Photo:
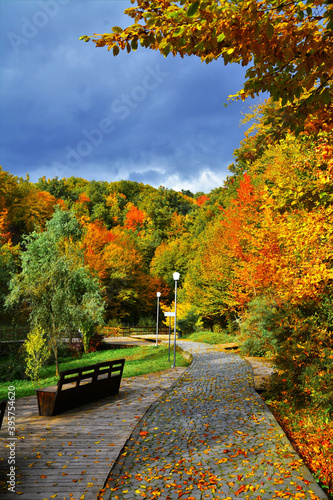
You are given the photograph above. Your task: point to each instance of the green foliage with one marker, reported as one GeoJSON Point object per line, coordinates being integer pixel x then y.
{"type": "Point", "coordinates": [175, 254]}
{"type": "Point", "coordinates": [59, 188]}
{"type": "Point", "coordinates": [36, 351]}
{"type": "Point", "coordinates": [59, 291]}
{"type": "Point", "coordinates": [116, 322]}
{"type": "Point", "coordinates": [12, 365]}
{"type": "Point", "coordinates": [305, 355]}
{"type": "Point", "coordinates": [256, 328]}
{"type": "Point", "coordinates": [147, 321]}
{"type": "Point", "coordinates": [187, 323]}
{"type": "Point", "coordinates": [9, 265]}
{"type": "Point", "coordinates": [213, 338]}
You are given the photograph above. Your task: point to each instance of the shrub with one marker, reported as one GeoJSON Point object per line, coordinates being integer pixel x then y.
{"type": "Point", "coordinates": [257, 328]}
{"type": "Point", "coordinates": [304, 356]}
{"type": "Point", "coordinates": [147, 321]}
{"type": "Point", "coordinates": [75, 349]}
{"type": "Point", "coordinates": [95, 342]}
{"type": "Point", "coordinates": [36, 352]}
{"type": "Point", "coordinates": [186, 322]}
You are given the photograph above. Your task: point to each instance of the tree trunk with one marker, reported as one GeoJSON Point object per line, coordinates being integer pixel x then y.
{"type": "Point", "coordinates": [56, 358]}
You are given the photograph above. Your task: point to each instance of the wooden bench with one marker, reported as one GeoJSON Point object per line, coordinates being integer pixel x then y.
{"type": "Point", "coordinates": [3, 404]}
{"type": "Point", "coordinates": [80, 386]}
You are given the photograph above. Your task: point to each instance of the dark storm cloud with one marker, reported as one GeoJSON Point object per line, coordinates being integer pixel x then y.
{"type": "Point", "coordinates": [68, 108]}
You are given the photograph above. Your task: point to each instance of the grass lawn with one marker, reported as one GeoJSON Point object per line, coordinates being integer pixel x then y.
{"type": "Point", "coordinates": [139, 360]}
{"type": "Point", "coordinates": [213, 338]}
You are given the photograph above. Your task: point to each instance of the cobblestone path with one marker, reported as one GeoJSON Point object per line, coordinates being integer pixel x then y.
{"type": "Point", "coordinates": [210, 437]}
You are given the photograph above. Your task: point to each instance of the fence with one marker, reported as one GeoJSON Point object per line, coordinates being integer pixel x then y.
{"type": "Point", "coordinates": [11, 337]}
{"type": "Point", "coordinates": [8, 334]}
{"type": "Point", "coordinates": [129, 331]}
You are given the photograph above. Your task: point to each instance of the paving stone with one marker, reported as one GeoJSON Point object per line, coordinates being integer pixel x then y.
{"type": "Point", "coordinates": [211, 437]}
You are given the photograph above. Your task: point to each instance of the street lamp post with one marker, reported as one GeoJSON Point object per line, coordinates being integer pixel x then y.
{"type": "Point", "coordinates": [176, 278]}
{"type": "Point", "coordinates": [158, 294]}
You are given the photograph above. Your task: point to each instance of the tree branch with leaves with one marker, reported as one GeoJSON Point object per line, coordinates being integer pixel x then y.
{"type": "Point", "coordinates": [286, 46]}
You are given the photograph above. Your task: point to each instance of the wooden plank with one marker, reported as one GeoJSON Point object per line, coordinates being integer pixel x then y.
{"type": "Point", "coordinates": [82, 444]}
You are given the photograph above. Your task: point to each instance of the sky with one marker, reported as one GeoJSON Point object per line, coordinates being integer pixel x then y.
{"type": "Point", "coordinates": [68, 108]}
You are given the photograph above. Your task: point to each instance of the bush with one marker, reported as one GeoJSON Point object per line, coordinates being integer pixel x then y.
{"type": "Point", "coordinates": [114, 322]}
{"type": "Point", "coordinates": [13, 367]}
{"type": "Point", "coordinates": [95, 343]}
{"type": "Point", "coordinates": [304, 356]}
{"type": "Point", "coordinates": [75, 350]}
{"type": "Point", "coordinates": [147, 321]}
{"type": "Point", "coordinates": [257, 328]}
{"type": "Point", "coordinates": [186, 324]}
{"type": "Point", "coordinates": [36, 352]}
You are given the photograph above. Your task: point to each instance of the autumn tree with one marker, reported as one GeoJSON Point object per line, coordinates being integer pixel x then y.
{"type": "Point", "coordinates": [58, 289]}
{"type": "Point", "coordinates": [23, 207]}
{"type": "Point", "coordinates": [176, 254]}
{"type": "Point", "coordinates": [113, 257]}
{"type": "Point", "coordinates": [134, 218]}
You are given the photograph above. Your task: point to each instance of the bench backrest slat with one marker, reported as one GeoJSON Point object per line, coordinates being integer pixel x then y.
{"type": "Point", "coordinates": [93, 372]}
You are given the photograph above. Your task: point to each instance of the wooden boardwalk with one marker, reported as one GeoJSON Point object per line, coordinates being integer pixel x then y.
{"type": "Point", "coordinates": [70, 456]}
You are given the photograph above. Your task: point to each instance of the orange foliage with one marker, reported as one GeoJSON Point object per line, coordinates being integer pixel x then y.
{"type": "Point", "coordinates": [255, 253]}
{"type": "Point", "coordinates": [4, 223]}
{"type": "Point", "coordinates": [312, 440]}
{"type": "Point", "coordinates": [83, 198]}
{"type": "Point", "coordinates": [202, 200]}
{"type": "Point", "coordinates": [96, 238]}
{"type": "Point", "coordinates": [134, 218]}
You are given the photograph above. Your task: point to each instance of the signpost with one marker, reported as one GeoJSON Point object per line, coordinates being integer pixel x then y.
{"type": "Point", "coordinates": [170, 315]}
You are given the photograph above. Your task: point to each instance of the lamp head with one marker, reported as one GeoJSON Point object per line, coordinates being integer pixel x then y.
{"type": "Point", "coordinates": [158, 294]}
{"type": "Point", "coordinates": [176, 276]}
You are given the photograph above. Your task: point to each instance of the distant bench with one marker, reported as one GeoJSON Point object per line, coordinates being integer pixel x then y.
{"type": "Point", "coordinates": [80, 386]}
